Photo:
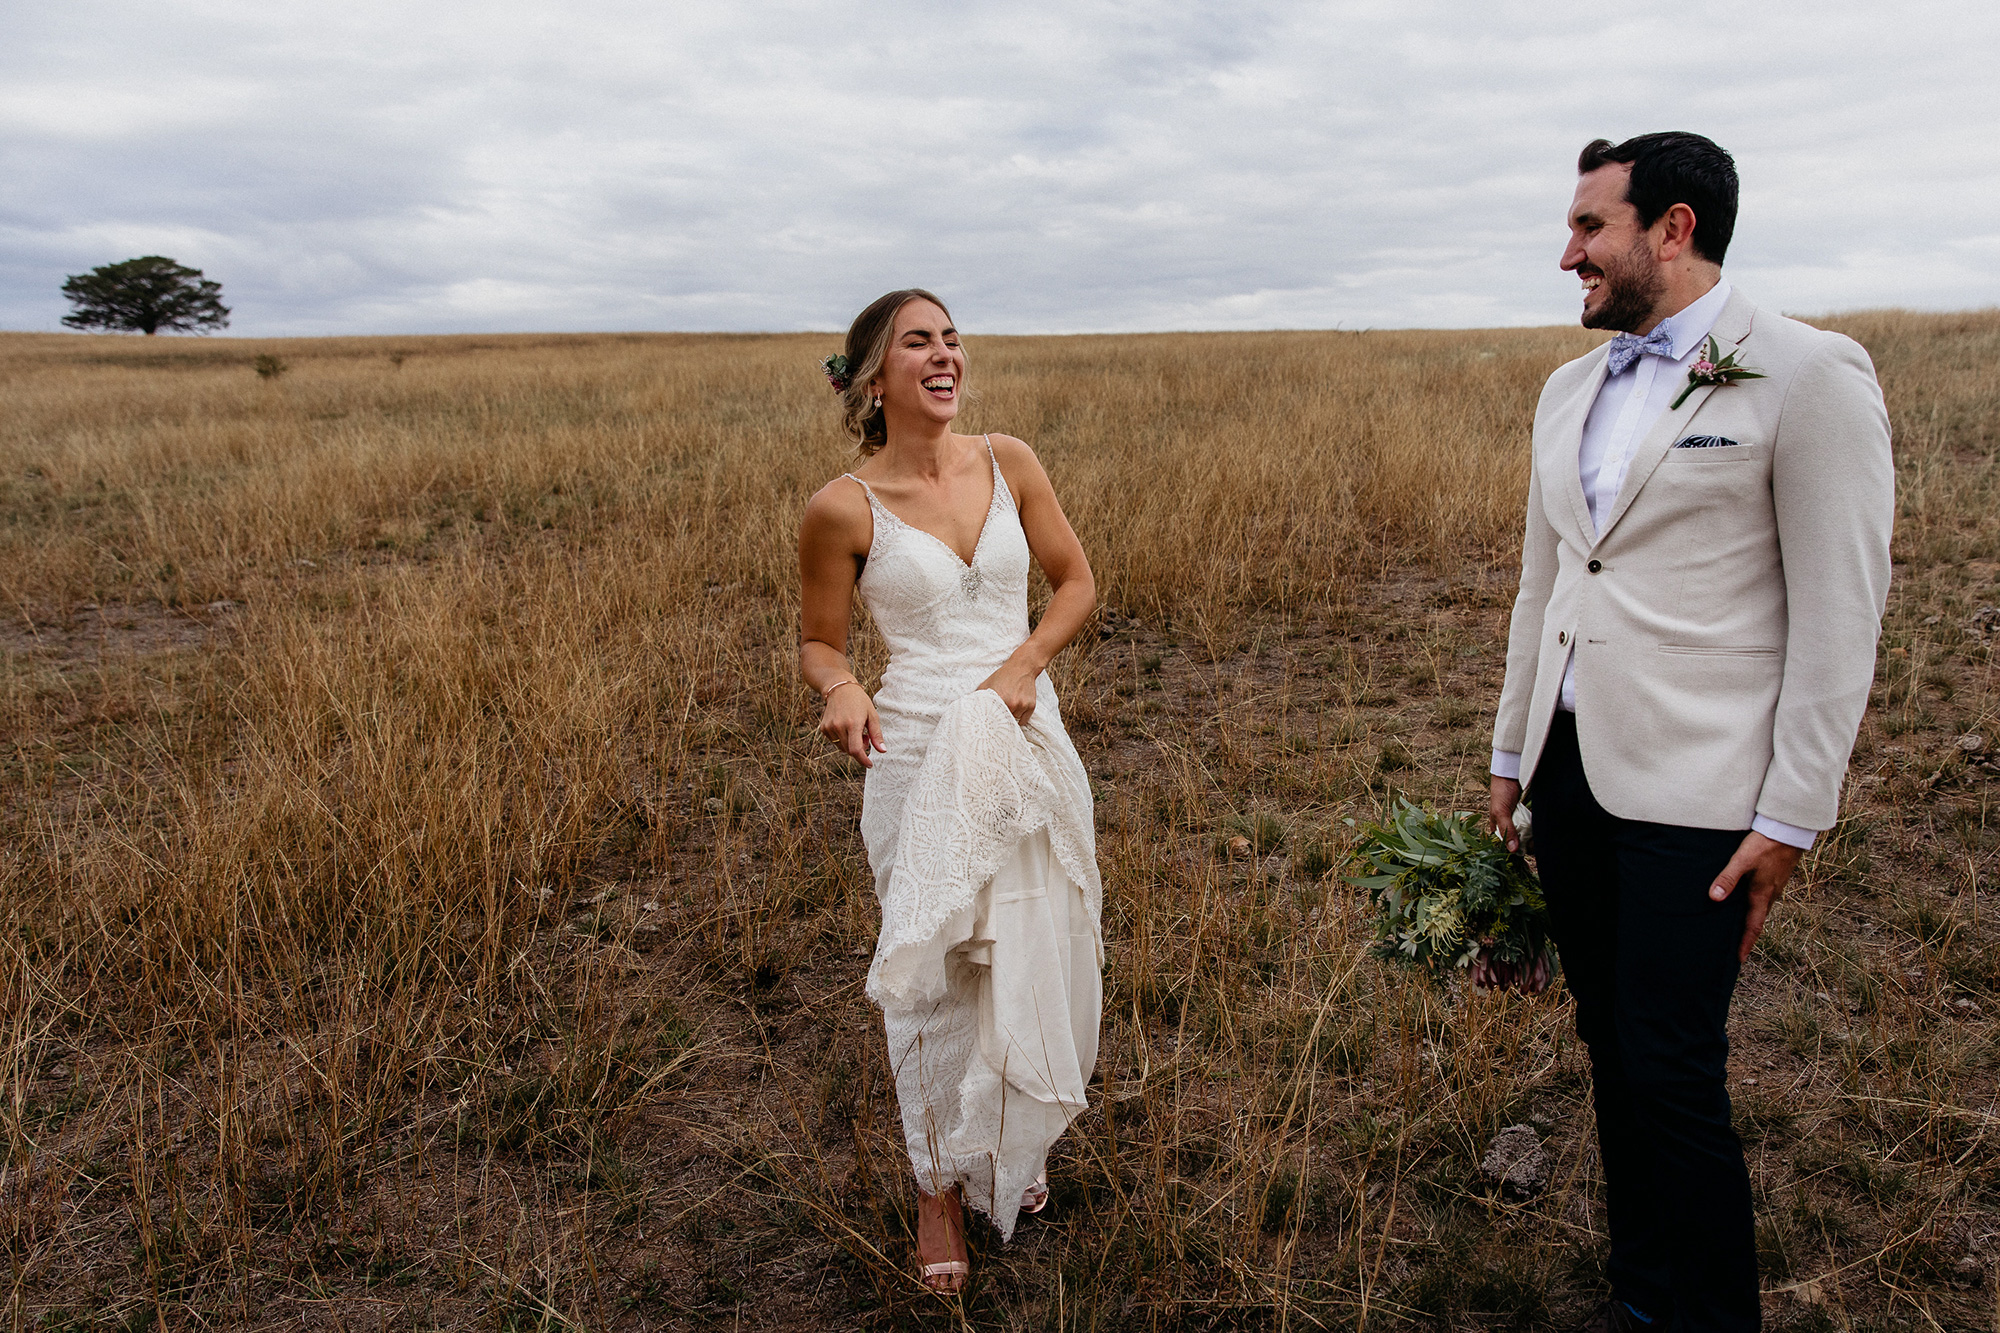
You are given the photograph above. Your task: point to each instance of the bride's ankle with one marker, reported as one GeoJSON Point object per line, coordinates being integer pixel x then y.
{"type": "Point", "coordinates": [945, 1207]}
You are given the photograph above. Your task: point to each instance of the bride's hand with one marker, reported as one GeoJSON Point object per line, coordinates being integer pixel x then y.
{"type": "Point", "coordinates": [850, 722]}
{"type": "Point", "coordinates": [1015, 684]}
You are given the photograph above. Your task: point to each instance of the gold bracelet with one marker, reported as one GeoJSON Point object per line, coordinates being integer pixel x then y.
{"type": "Point", "coordinates": [827, 693]}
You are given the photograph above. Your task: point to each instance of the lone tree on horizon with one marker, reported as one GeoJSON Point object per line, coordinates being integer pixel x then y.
{"type": "Point", "coordinates": [146, 295]}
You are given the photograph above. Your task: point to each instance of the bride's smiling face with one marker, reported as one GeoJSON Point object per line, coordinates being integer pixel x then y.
{"type": "Point", "coordinates": [920, 376]}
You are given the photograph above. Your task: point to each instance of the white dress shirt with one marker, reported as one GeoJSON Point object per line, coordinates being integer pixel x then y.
{"type": "Point", "coordinates": [1627, 406]}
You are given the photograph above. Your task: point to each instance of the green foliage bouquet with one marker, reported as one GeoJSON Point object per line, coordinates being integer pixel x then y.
{"type": "Point", "coordinates": [1450, 896]}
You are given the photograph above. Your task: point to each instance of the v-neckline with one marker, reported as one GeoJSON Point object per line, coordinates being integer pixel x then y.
{"type": "Point", "coordinates": [985, 523]}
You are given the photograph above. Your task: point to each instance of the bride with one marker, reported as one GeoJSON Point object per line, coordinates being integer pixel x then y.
{"type": "Point", "coordinates": [975, 810]}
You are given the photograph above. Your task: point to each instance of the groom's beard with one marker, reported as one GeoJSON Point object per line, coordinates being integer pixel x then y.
{"type": "Point", "coordinates": [1632, 289]}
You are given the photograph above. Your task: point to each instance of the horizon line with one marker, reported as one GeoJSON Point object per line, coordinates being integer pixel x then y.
{"type": "Point", "coordinates": [200, 337]}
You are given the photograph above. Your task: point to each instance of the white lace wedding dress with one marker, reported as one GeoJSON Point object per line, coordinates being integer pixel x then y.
{"type": "Point", "coordinates": [979, 832]}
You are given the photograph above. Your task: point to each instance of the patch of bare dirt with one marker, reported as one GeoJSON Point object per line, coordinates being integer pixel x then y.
{"type": "Point", "coordinates": [89, 634]}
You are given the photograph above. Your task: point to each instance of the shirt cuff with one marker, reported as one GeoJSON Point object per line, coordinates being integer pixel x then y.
{"type": "Point", "coordinates": [1790, 835]}
{"type": "Point", "coordinates": [1507, 764]}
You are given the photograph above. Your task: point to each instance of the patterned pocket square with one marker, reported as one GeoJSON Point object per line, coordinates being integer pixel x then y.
{"type": "Point", "coordinates": [1706, 442]}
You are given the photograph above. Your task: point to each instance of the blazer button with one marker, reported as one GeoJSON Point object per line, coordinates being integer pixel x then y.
{"type": "Point", "coordinates": [1595, 566]}
{"type": "Point", "coordinates": [1562, 637]}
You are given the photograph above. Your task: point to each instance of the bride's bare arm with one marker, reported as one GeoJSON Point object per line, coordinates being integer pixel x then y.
{"type": "Point", "coordinates": [833, 540]}
{"type": "Point", "coordinates": [1054, 545]}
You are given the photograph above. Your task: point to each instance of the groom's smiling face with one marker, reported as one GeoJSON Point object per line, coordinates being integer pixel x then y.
{"type": "Point", "coordinates": [1612, 254]}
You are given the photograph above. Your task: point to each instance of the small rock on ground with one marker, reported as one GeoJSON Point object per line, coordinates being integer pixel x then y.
{"type": "Point", "coordinates": [1516, 1163]}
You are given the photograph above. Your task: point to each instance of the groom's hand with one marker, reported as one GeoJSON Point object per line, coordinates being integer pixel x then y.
{"type": "Point", "coordinates": [1506, 795]}
{"type": "Point", "coordinates": [1767, 863]}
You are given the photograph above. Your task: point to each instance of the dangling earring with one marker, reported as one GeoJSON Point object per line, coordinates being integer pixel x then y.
{"type": "Point", "coordinates": [878, 402]}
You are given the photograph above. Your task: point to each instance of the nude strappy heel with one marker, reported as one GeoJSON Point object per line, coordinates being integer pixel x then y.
{"type": "Point", "coordinates": [947, 1277]}
{"type": "Point", "coordinates": [1036, 1196]}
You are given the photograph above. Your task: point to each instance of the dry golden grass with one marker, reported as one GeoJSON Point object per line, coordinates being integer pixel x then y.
{"type": "Point", "coordinates": [423, 901]}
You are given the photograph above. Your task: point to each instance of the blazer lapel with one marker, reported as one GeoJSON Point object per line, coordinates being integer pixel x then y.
{"type": "Point", "coordinates": [1732, 326]}
{"type": "Point", "coordinates": [1560, 461]}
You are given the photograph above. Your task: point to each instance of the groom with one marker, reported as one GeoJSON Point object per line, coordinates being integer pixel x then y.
{"type": "Point", "coordinates": [1702, 577]}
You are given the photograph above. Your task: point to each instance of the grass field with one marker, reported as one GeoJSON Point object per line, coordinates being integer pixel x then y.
{"type": "Point", "coordinates": [424, 901]}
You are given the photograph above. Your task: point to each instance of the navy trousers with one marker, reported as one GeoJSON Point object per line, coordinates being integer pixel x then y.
{"type": "Point", "coordinates": [1651, 962]}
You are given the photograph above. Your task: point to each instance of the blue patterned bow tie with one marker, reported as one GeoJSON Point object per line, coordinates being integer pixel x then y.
{"type": "Point", "coordinates": [1627, 348]}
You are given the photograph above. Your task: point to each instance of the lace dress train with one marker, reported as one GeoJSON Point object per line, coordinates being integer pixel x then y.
{"type": "Point", "coordinates": [990, 1074]}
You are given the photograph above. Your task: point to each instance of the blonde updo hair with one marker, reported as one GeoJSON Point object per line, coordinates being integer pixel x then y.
{"type": "Point", "coordinates": [867, 347]}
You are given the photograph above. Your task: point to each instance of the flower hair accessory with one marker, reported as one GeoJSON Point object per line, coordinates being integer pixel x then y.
{"type": "Point", "coordinates": [839, 371]}
{"type": "Point", "coordinates": [1714, 368]}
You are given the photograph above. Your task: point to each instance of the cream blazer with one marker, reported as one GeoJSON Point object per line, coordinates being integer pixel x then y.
{"type": "Point", "coordinates": [1724, 622]}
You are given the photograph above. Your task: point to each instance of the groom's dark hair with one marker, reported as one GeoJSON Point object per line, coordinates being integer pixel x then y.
{"type": "Point", "coordinates": [1676, 168]}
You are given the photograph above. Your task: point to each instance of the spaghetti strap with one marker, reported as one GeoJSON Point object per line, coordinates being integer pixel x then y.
{"type": "Point", "coordinates": [1000, 486]}
{"type": "Point", "coordinates": [877, 512]}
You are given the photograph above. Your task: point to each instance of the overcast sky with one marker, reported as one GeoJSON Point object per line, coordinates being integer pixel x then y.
{"type": "Point", "coordinates": [373, 167]}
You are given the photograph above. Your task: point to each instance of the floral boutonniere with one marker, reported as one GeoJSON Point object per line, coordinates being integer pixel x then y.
{"type": "Point", "coordinates": [1714, 368]}
{"type": "Point", "coordinates": [837, 371]}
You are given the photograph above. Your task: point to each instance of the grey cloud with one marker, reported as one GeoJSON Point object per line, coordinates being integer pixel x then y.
{"type": "Point", "coordinates": [1094, 166]}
